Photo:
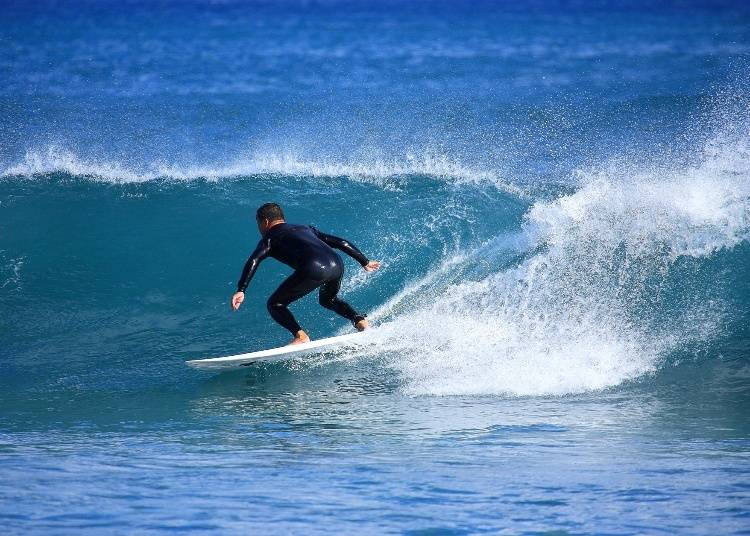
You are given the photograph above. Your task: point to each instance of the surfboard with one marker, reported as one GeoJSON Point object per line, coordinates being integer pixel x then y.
{"type": "Point", "coordinates": [282, 353]}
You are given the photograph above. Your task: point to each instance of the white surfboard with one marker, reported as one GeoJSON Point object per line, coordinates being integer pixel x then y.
{"type": "Point", "coordinates": [274, 354]}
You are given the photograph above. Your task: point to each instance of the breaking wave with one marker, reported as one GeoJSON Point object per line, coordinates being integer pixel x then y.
{"type": "Point", "coordinates": [599, 287]}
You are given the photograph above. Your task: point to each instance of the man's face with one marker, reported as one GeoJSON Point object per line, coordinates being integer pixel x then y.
{"type": "Point", "coordinates": [261, 225]}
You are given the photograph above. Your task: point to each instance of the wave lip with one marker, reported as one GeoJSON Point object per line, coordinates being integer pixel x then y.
{"type": "Point", "coordinates": [384, 173]}
{"type": "Point", "coordinates": [56, 160]}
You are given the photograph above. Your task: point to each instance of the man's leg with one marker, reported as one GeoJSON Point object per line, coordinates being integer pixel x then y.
{"type": "Point", "coordinates": [328, 298]}
{"type": "Point", "coordinates": [293, 288]}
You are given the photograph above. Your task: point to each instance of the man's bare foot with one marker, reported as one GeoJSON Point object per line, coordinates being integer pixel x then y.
{"type": "Point", "coordinates": [362, 325]}
{"type": "Point", "coordinates": [300, 338]}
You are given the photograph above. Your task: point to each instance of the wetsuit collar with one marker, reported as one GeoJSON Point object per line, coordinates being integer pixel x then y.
{"type": "Point", "coordinates": [273, 225]}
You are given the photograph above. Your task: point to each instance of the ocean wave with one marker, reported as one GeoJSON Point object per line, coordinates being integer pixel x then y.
{"type": "Point", "coordinates": [383, 173]}
{"type": "Point", "coordinates": [605, 284]}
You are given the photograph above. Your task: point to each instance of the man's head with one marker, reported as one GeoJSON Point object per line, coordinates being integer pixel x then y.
{"type": "Point", "coordinates": [267, 215]}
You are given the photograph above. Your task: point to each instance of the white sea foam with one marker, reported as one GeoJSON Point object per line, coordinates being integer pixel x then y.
{"type": "Point", "coordinates": [583, 311]}
{"type": "Point", "coordinates": [57, 160]}
{"type": "Point", "coordinates": [385, 173]}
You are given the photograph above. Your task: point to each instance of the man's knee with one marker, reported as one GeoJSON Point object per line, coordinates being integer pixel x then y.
{"type": "Point", "coordinates": [326, 301]}
{"type": "Point", "coordinates": [274, 305]}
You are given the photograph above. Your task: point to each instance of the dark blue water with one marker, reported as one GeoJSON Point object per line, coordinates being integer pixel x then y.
{"type": "Point", "coordinates": [559, 194]}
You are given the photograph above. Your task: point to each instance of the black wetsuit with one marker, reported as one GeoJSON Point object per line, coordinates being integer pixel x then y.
{"type": "Point", "coordinates": [315, 264]}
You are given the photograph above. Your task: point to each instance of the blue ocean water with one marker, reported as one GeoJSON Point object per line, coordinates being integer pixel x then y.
{"type": "Point", "coordinates": [560, 196]}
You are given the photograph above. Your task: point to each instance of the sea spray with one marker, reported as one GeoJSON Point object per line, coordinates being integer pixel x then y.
{"type": "Point", "coordinates": [388, 174]}
{"type": "Point", "coordinates": [591, 304]}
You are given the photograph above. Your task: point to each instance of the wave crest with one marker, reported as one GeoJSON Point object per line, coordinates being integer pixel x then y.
{"type": "Point", "coordinates": [384, 173]}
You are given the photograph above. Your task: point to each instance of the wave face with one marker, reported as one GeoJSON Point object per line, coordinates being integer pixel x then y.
{"type": "Point", "coordinates": [490, 287]}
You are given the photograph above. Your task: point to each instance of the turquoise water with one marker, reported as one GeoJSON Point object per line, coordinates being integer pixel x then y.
{"type": "Point", "coordinates": [559, 194]}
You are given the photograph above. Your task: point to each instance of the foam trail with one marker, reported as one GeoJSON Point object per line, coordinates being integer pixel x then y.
{"type": "Point", "coordinates": [587, 307]}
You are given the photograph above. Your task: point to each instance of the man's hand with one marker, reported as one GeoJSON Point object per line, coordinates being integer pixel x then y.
{"type": "Point", "coordinates": [237, 300]}
{"type": "Point", "coordinates": [372, 266]}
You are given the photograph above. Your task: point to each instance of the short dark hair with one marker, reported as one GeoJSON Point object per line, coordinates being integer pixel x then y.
{"type": "Point", "coordinates": [270, 212]}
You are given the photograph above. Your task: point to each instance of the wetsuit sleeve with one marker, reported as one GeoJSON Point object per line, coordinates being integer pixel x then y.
{"type": "Point", "coordinates": [261, 252]}
{"type": "Point", "coordinates": [344, 245]}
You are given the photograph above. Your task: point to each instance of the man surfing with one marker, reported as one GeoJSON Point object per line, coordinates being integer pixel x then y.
{"type": "Point", "coordinates": [310, 253]}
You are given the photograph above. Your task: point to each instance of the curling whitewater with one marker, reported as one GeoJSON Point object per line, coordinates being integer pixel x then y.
{"type": "Point", "coordinates": [597, 288]}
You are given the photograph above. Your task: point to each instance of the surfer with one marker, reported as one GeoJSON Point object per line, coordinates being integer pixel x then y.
{"type": "Point", "coordinates": [315, 264]}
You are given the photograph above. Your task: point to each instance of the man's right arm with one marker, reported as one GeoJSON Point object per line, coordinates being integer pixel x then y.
{"type": "Point", "coordinates": [261, 252]}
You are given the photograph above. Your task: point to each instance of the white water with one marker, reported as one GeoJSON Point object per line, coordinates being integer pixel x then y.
{"type": "Point", "coordinates": [584, 311]}
{"type": "Point", "coordinates": [376, 171]}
